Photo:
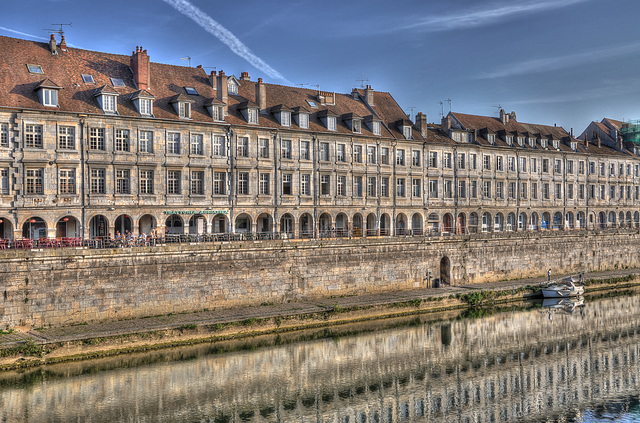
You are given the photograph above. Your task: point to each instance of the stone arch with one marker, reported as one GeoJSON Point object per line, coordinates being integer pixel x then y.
{"type": "Point", "coordinates": [324, 225]}
{"type": "Point", "coordinates": [146, 224]}
{"type": "Point", "coordinates": [99, 227]}
{"type": "Point", "coordinates": [385, 224]}
{"type": "Point", "coordinates": [197, 225]}
{"type": "Point", "coordinates": [342, 225]}
{"type": "Point", "coordinates": [621, 219]}
{"type": "Point", "coordinates": [433, 220]}
{"type": "Point", "coordinates": [546, 221]}
{"type": "Point", "coordinates": [461, 224]}
{"type": "Point", "coordinates": [533, 222]}
{"type": "Point", "coordinates": [473, 223]}
{"type": "Point", "coordinates": [636, 219]}
{"type": "Point", "coordinates": [568, 220]}
{"type": "Point", "coordinates": [371, 224]}
{"type": "Point", "coordinates": [611, 221]}
{"type": "Point", "coordinates": [305, 225]}
{"type": "Point", "coordinates": [220, 224]}
{"type": "Point", "coordinates": [68, 227]}
{"type": "Point", "coordinates": [498, 222]}
{"type": "Point", "coordinates": [522, 221]}
{"type": "Point", "coordinates": [628, 222]}
{"type": "Point", "coordinates": [174, 225]}
{"type": "Point", "coordinates": [511, 222]}
{"type": "Point", "coordinates": [357, 225]}
{"type": "Point", "coordinates": [243, 224]}
{"type": "Point", "coordinates": [6, 228]}
{"type": "Point", "coordinates": [401, 224]}
{"type": "Point", "coordinates": [445, 271]}
{"type": "Point", "coordinates": [123, 223]}
{"type": "Point", "coordinates": [580, 221]}
{"type": "Point", "coordinates": [287, 226]}
{"type": "Point", "coordinates": [264, 225]}
{"type": "Point", "coordinates": [486, 222]}
{"type": "Point", "coordinates": [416, 224]}
{"type": "Point", "coordinates": [447, 222]}
{"type": "Point", "coordinates": [557, 220]}
{"type": "Point", "coordinates": [34, 228]}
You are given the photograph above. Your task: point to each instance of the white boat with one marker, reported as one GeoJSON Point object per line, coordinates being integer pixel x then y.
{"type": "Point", "coordinates": [563, 304]}
{"type": "Point", "coordinates": [563, 289]}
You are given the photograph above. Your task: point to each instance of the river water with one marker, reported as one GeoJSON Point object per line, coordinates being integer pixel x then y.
{"type": "Point", "coordinates": [571, 363]}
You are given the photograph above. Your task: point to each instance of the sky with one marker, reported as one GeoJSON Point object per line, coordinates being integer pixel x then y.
{"type": "Point", "coordinates": [564, 62]}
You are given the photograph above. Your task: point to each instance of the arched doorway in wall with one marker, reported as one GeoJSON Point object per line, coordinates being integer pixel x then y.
{"type": "Point", "coordinates": [357, 225]}
{"type": "Point", "coordinates": [533, 222]}
{"type": "Point", "coordinates": [34, 228]}
{"type": "Point", "coordinates": [68, 227]}
{"type": "Point", "coordinates": [264, 225]}
{"type": "Point", "coordinates": [306, 226]}
{"type": "Point", "coordinates": [445, 271]}
{"type": "Point", "coordinates": [99, 227]}
{"type": "Point", "coordinates": [416, 224]}
{"type": "Point", "coordinates": [546, 221]}
{"type": "Point", "coordinates": [342, 225]}
{"type": "Point", "coordinates": [557, 220]}
{"type": "Point", "coordinates": [447, 223]}
{"type": "Point", "coordinates": [174, 225]}
{"type": "Point", "coordinates": [6, 228]}
{"type": "Point", "coordinates": [401, 224]}
{"type": "Point", "coordinates": [580, 220]}
{"type": "Point", "coordinates": [461, 224]}
{"type": "Point", "coordinates": [473, 223]}
{"type": "Point", "coordinates": [123, 224]}
{"type": "Point", "coordinates": [243, 224]}
{"type": "Point", "coordinates": [621, 219]}
{"type": "Point", "coordinates": [486, 222]}
{"type": "Point", "coordinates": [498, 222]}
{"type": "Point", "coordinates": [628, 222]}
{"type": "Point", "coordinates": [602, 220]}
{"type": "Point", "coordinates": [146, 224]}
{"type": "Point", "coordinates": [286, 226]}
{"type": "Point", "coordinates": [385, 225]}
{"type": "Point", "coordinates": [511, 222]}
{"type": "Point", "coordinates": [324, 225]}
{"type": "Point", "coordinates": [568, 220]}
{"type": "Point", "coordinates": [636, 219]}
{"type": "Point", "coordinates": [220, 224]}
{"type": "Point", "coordinates": [611, 222]}
{"type": "Point", "coordinates": [433, 222]}
{"type": "Point", "coordinates": [522, 221]}
{"type": "Point", "coordinates": [372, 229]}
{"type": "Point", "coordinates": [197, 225]}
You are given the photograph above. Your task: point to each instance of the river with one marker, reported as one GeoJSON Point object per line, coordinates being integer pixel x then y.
{"type": "Point", "coordinates": [577, 363]}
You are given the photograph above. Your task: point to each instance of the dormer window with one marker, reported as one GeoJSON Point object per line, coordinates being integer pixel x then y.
{"type": "Point", "coordinates": [285, 118]}
{"type": "Point", "coordinates": [48, 93]}
{"type": "Point", "coordinates": [182, 105]}
{"type": "Point", "coordinates": [556, 144]}
{"type": "Point", "coordinates": [35, 69]}
{"type": "Point", "coordinates": [232, 87]}
{"type": "Point", "coordinates": [353, 121]}
{"type": "Point", "coordinates": [109, 103]}
{"type": "Point", "coordinates": [107, 99]}
{"type": "Point", "coordinates": [532, 142]}
{"type": "Point", "coordinates": [376, 128]}
{"type": "Point", "coordinates": [574, 145]}
{"type": "Point", "coordinates": [331, 123]}
{"type": "Point", "coordinates": [303, 120]}
{"type": "Point", "coordinates": [216, 109]}
{"type": "Point", "coordinates": [492, 139]}
{"type": "Point", "coordinates": [143, 101]}
{"type": "Point", "coordinates": [406, 131]}
{"type": "Point", "coordinates": [252, 115]}
{"type": "Point", "coordinates": [218, 113]}
{"type": "Point", "coordinates": [520, 141]}
{"type": "Point", "coordinates": [544, 143]}
{"type": "Point", "coordinates": [357, 126]}
{"type": "Point", "coordinates": [509, 139]}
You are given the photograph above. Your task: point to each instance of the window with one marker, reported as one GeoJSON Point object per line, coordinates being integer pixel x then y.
{"type": "Point", "coordinates": [173, 143]}
{"type": "Point", "coordinates": [384, 155]}
{"type": "Point", "coordinates": [492, 139]}
{"type": "Point", "coordinates": [243, 183]}
{"type": "Point", "coordinates": [570, 191]}
{"type": "Point", "coordinates": [499, 163]}
{"type": "Point", "coordinates": [146, 182]}
{"type": "Point", "coordinates": [122, 140]}
{"type": "Point", "coordinates": [534, 165]}
{"type": "Point", "coordinates": [400, 157]}
{"type": "Point", "coordinates": [523, 164]}
{"type": "Point", "coordinates": [592, 191]}
{"type": "Point", "coordinates": [357, 154]}
{"type": "Point", "coordinates": [433, 188]}
{"type": "Point", "coordinates": [486, 189]}
{"type": "Point", "coordinates": [197, 144]}
{"type": "Point", "coordinates": [357, 126]}
{"type": "Point", "coordinates": [486, 162]}
{"type": "Point", "coordinates": [285, 118]}
{"type": "Point", "coordinates": [534, 190]}
{"type": "Point", "coordinates": [263, 148]}
{"type": "Point", "coordinates": [4, 181]}
{"type": "Point", "coordinates": [384, 187]}
{"type": "Point", "coordinates": [341, 185]}
{"type": "Point", "coordinates": [415, 158]}
{"type": "Point", "coordinates": [35, 69]}
{"type": "Point", "coordinates": [523, 190]}
{"type": "Point", "coordinates": [612, 192]}
{"type": "Point", "coordinates": [558, 191]}
{"type": "Point", "coordinates": [581, 167]}
{"type": "Point", "coordinates": [123, 181]}
{"type": "Point", "coordinates": [371, 186]}
{"type": "Point", "coordinates": [4, 135]}
{"type": "Point", "coordinates": [96, 139]}
{"type": "Point", "coordinates": [557, 167]}
{"type": "Point", "coordinates": [264, 185]}
{"type": "Point", "coordinates": [511, 190]}
{"type": "Point", "coordinates": [324, 151]}
{"type": "Point", "coordinates": [88, 79]}
{"type": "Point", "coordinates": [400, 187]}
{"type": "Point", "coordinates": [145, 142]}
{"type": "Point", "coordinates": [191, 90]}
{"type": "Point", "coordinates": [34, 181]}
{"type": "Point", "coordinates": [173, 181]}
{"type": "Point", "coordinates": [543, 143]}
{"type": "Point", "coordinates": [243, 147]}
{"type": "Point", "coordinates": [117, 82]}
{"type": "Point", "coordinates": [570, 167]}
{"type": "Point", "coordinates": [232, 87]}
{"type": "Point", "coordinates": [473, 189]}
{"type": "Point", "coordinates": [109, 103]}
{"type": "Point", "coordinates": [219, 183]}
{"type": "Point", "coordinates": [67, 181]}
{"type": "Point", "coordinates": [305, 150]}
{"type": "Point", "coordinates": [601, 169]}
{"type": "Point", "coordinates": [461, 161]}
{"type": "Point", "coordinates": [406, 131]}
{"type": "Point", "coordinates": [184, 109]}
{"type": "Point", "coordinates": [545, 165]}
{"type": "Point", "coordinates": [376, 128]}
{"type": "Point", "coordinates": [581, 191]}
{"type": "Point", "coordinates": [286, 184]}
{"type": "Point", "coordinates": [446, 161]}
{"type": "Point", "coordinates": [473, 163]}
{"type": "Point", "coordinates": [621, 169]}
{"type": "Point", "coordinates": [341, 155]}
{"type": "Point", "coordinates": [500, 190]}
{"type": "Point", "coordinates": [305, 184]}
{"type": "Point", "coordinates": [218, 113]}
{"type": "Point", "coordinates": [545, 191]}
{"type": "Point", "coordinates": [448, 189]}
{"type": "Point", "coordinates": [197, 182]}
{"type": "Point", "coordinates": [66, 138]}
{"type": "Point", "coordinates": [602, 192]}
{"type": "Point", "coordinates": [331, 123]}
{"type": "Point", "coordinates": [325, 184]}
{"type": "Point", "coordinates": [98, 185]}
{"type": "Point", "coordinates": [511, 163]}
{"type": "Point", "coordinates": [286, 149]}
{"type": "Point", "coordinates": [371, 154]}
{"type": "Point", "coordinates": [462, 189]}
{"type": "Point", "coordinates": [49, 97]}
{"type": "Point", "coordinates": [357, 186]}
{"type": "Point", "coordinates": [303, 120]}
{"type": "Point", "coordinates": [219, 148]}
{"type": "Point", "coordinates": [33, 136]}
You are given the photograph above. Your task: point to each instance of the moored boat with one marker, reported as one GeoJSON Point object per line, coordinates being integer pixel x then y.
{"type": "Point", "coordinates": [563, 289]}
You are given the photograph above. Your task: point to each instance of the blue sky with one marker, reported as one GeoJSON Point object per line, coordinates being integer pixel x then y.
{"type": "Point", "coordinates": [552, 61]}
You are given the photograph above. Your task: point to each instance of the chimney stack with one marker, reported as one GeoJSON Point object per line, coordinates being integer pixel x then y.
{"type": "Point", "coordinates": [504, 117]}
{"type": "Point", "coordinates": [63, 44]}
{"type": "Point", "coordinates": [421, 123]}
{"type": "Point", "coordinates": [52, 44]}
{"type": "Point", "coordinates": [213, 79]}
{"type": "Point", "coordinates": [368, 95]}
{"type": "Point", "coordinates": [445, 125]}
{"type": "Point", "coordinates": [222, 91]}
{"type": "Point", "coordinates": [261, 95]}
{"type": "Point", "coordinates": [141, 69]}
{"type": "Point", "coordinates": [244, 76]}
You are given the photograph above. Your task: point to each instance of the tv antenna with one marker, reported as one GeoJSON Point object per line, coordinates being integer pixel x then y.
{"type": "Point", "coordinates": [362, 81]}
{"type": "Point", "coordinates": [187, 58]}
{"type": "Point", "coordinates": [441, 109]}
{"type": "Point", "coordinates": [499, 107]}
{"type": "Point", "coordinates": [412, 108]}
{"type": "Point", "coordinates": [58, 31]}
{"type": "Point", "coordinates": [449, 101]}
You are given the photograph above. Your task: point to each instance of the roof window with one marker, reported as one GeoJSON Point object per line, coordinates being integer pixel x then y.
{"type": "Point", "coordinates": [191, 90]}
{"type": "Point", "coordinates": [88, 79]}
{"type": "Point", "coordinates": [312, 103]}
{"type": "Point", "coordinates": [117, 82]}
{"type": "Point", "coordinates": [35, 69]}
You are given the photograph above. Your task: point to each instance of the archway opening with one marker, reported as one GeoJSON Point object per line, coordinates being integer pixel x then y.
{"type": "Point", "coordinates": [447, 223]}
{"type": "Point", "coordinates": [147, 224]}
{"type": "Point", "coordinates": [286, 226]}
{"type": "Point", "coordinates": [385, 225]}
{"type": "Point", "coordinates": [67, 227]}
{"type": "Point", "coordinates": [306, 226]}
{"type": "Point", "coordinates": [265, 225]}
{"type": "Point", "coordinates": [371, 225]}
{"type": "Point", "coordinates": [34, 228]}
{"type": "Point", "coordinates": [98, 227]}
{"type": "Point", "coordinates": [416, 224]}
{"type": "Point", "coordinates": [174, 225]}
{"type": "Point", "coordinates": [220, 224]}
{"type": "Point", "coordinates": [6, 228]}
{"type": "Point", "coordinates": [357, 225]}
{"type": "Point", "coordinates": [445, 271]}
{"type": "Point", "coordinates": [123, 224]}
{"type": "Point", "coordinates": [342, 225]}
{"type": "Point", "coordinates": [401, 225]}
{"type": "Point", "coordinates": [243, 224]}
{"type": "Point", "coordinates": [197, 225]}
{"type": "Point", "coordinates": [324, 225]}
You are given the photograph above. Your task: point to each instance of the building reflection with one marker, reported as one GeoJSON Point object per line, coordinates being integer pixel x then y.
{"type": "Point", "coordinates": [511, 366]}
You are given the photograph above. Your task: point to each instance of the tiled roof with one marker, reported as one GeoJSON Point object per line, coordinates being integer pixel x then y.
{"type": "Point", "coordinates": [495, 125]}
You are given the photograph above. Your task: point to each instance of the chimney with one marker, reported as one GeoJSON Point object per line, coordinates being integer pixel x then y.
{"type": "Point", "coordinates": [63, 44]}
{"type": "Point", "coordinates": [368, 95]}
{"type": "Point", "coordinates": [223, 89]}
{"type": "Point", "coordinates": [141, 69]}
{"type": "Point", "coordinates": [504, 117]}
{"type": "Point", "coordinates": [421, 123]}
{"type": "Point", "coordinates": [261, 96]}
{"type": "Point", "coordinates": [512, 116]}
{"type": "Point", "coordinates": [354, 93]}
{"type": "Point", "coordinates": [52, 44]}
{"type": "Point", "coordinates": [213, 79]}
{"type": "Point", "coordinates": [445, 125]}
{"type": "Point", "coordinates": [244, 76]}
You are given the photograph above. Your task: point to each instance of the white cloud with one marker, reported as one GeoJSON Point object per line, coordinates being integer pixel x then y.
{"type": "Point", "coordinates": [472, 18]}
{"type": "Point", "coordinates": [221, 33]}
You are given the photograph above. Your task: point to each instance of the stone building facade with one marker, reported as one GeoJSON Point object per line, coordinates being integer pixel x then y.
{"type": "Point", "coordinates": [93, 143]}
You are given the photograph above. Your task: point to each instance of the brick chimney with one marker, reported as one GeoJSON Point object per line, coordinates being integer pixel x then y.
{"type": "Point", "coordinates": [223, 89]}
{"type": "Point", "coordinates": [52, 45]}
{"type": "Point", "coordinates": [63, 44]}
{"type": "Point", "coordinates": [141, 69]}
{"type": "Point", "coordinates": [368, 95]}
{"type": "Point", "coordinates": [213, 79]}
{"type": "Point", "coordinates": [504, 117]}
{"type": "Point", "coordinates": [445, 125]}
{"type": "Point", "coordinates": [261, 96]}
{"type": "Point", "coordinates": [421, 123]}
{"type": "Point", "coordinates": [244, 76]}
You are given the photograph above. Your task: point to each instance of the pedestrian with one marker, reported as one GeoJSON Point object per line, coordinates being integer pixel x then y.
{"type": "Point", "coordinates": [549, 275]}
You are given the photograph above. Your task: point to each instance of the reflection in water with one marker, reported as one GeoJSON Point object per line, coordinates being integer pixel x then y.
{"type": "Point", "coordinates": [515, 365]}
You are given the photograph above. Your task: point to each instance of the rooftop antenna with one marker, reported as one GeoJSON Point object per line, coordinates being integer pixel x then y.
{"type": "Point", "coordinates": [210, 67]}
{"type": "Point", "coordinates": [412, 108]}
{"type": "Point", "coordinates": [499, 107]}
{"type": "Point", "coordinates": [362, 81]}
{"type": "Point", "coordinates": [187, 58]}
{"type": "Point", "coordinates": [441, 109]}
{"type": "Point", "coordinates": [58, 31]}
{"type": "Point", "coordinates": [449, 101]}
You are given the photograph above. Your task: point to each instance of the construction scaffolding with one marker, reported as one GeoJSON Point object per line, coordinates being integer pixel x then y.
{"type": "Point", "coordinates": [630, 131]}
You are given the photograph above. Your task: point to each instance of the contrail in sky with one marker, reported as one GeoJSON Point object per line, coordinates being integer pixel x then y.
{"type": "Point", "coordinates": [22, 33]}
{"type": "Point", "coordinates": [217, 30]}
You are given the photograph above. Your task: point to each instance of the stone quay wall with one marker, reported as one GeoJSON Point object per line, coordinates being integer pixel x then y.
{"type": "Point", "coordinates": [53, 287]}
